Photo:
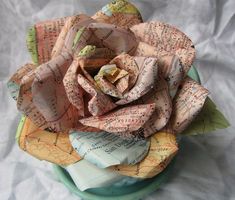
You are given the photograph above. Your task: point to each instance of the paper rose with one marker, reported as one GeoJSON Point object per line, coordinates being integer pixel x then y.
{"type": "Point", "coordinates": [100, 72]}
{"type": "Point", "coordinates": [107, 73]}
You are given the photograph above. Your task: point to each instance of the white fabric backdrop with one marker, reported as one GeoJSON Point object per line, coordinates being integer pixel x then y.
{"type": "Point", "coordinates": [205, 168]}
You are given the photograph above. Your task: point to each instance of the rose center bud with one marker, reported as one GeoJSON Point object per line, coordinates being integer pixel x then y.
{"type": "Point", "coordinates": [112, 80]}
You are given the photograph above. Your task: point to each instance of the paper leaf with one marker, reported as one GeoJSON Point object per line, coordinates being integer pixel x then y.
{"type": "Point", "coordinates": [209, 119]}
{"type": "Point", "coordinates": [32, 44]}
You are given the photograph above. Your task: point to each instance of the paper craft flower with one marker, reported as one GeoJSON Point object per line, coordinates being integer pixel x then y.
{"type": "Point", "coordinates": [107, 74]}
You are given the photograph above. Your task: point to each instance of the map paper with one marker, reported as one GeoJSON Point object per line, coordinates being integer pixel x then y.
{"type": "Point", "coordinates": [106, 149]}
{"type": "Point", "coordinates": [109, 74]}
{"type": "Point", "coordinates": [86, 175]}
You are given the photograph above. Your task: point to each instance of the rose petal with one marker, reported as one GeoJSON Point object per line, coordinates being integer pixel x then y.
{"type": "Point", "coordinates": [49, 95]}
{"type": "Point", "coordinates": [145, 82]}
{"type": "Point", "coordinates": [186, 57]}
{"type": "Point", "coordinates": [99, 103]}
{"type": "Point", "coordinates": [70, 21]}
{"type": "Point", "coordinates": [65, 41]}
{"type": "Point", "coordinates": [31, 43]}
{"type": "Point", "coordinates": [14, 82]}
{"type": "Point", "coordinates": [160, 96]}
{"type": "Point", "coordinates": [123, 84]}
{"type": "Point", "coordinates": [92, 58]}
{"type": "Point", "coordinates": [187, 103]}
{"type": "Point", "coordinates": [123, 120]}
{"type": "Point", "coordinates": [163, 148]}
{"type": "Point", "coordinates": [120, 74]}
{"type": "Point", "coordinates": [164, 38]}
{"type": "Point", "coordinates": [44, 145]}
{"type": "Point", "coordinates": [108, 88]}
{"type": "Point", "coordinates": [106, 149]}
{"type": "Point", "coordinates": [172, 67]}
{"type": "Point", "coordinates": [107, 76]}
{"type": "Point", "coordinates": [120, 13]}
{"type": "Point", "coordinates": [115, 38]}
{"type": "Point", "coordinates": [20, 86]}
{"type": "Point", "coordinates": [46, 35]}
{"type": "Point", "coordinates": [127, 63]}
{"type": "Point", "coordinates": [72, 88]}
{"type": "Point", "coordinates": [145, 50]}
{"type": "Point", "coordinates": [25, 102]}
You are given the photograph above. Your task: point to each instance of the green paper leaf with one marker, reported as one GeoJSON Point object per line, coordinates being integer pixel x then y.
{"type": "Point", "coordinates": [209, 119]}
{"type": "Point", "coordinates": [20, 128]}
{"type": "Point", "coordinates": [32, 45]}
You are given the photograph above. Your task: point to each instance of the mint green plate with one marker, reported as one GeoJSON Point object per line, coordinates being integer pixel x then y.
{"type": "Point", "coordinates": [132, 192]}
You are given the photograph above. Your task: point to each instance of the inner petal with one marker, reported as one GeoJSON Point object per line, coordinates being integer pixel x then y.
{"type": "Point", "coordinates": [99, 103]}
{"type": "Point", "coordinates": [107, 78]}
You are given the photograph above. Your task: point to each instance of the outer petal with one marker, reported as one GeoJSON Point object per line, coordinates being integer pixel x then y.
{"type": "Point", "coordinates": [161, 35]}
{"type": "Point", "coordinates": [166, 38]}
{"type": "Point", "coordinates": [25, 101]}
{"type": "Point", "coordinates": [49, 95]}
{"type": "Point", "coordinates": [107, 149]}
{"type": "Point", "coordinates": [46, 34]}
{"type": "Point", "coordinates": [126, 119]}
{"type": "Point", "coordinates": [14, 83]}
{"type": "Point", "coordinates": [76, 38]}
{"type": "Point", "coordinates": [163, 148]}
{"type": "Point", "coordinates": [146, 50]}
{"type": "Point", "coordinates": [20, 88]}
{"type": "Point", "coordinates": [160, 96]}
{"type": "Point", "coordinates": [44, 145]}
{"type": "Point", "coordinates": [120, 13]}
{"type": "Point", "coordinates": [186, 105]}
{"type": "Point", "coordinates": [172, 67]}
{"type": "Point", "coordinates": [86, 175]}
